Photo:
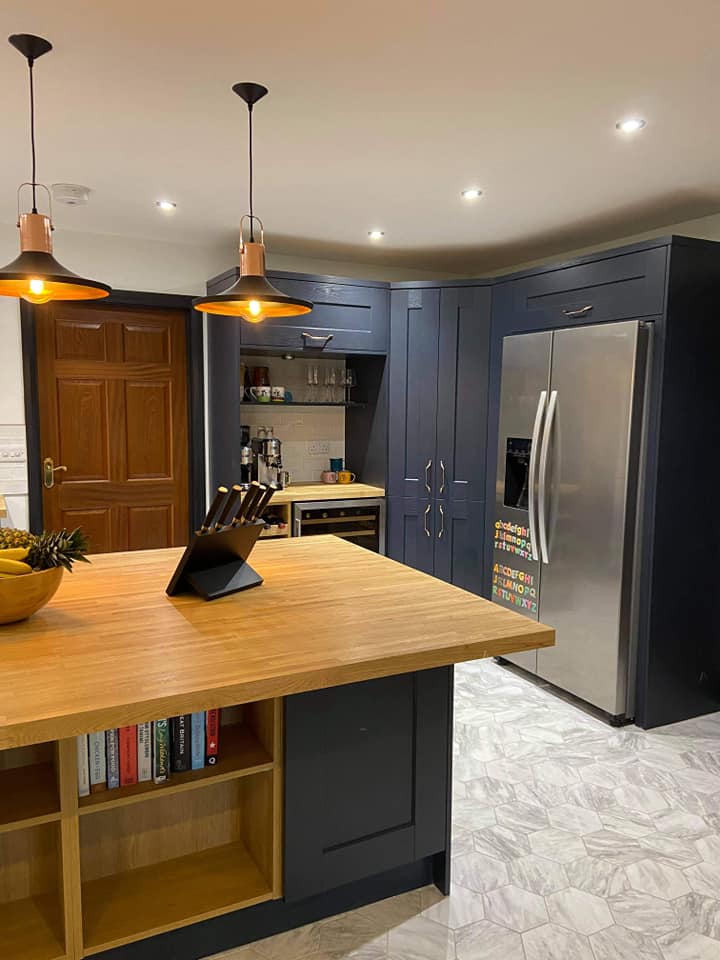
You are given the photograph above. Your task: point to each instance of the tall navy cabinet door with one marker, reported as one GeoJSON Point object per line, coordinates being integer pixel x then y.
{"type": "Point", "coordinates": [414, 327]}
{"type": "Point", "coordinates": [366, 778]}
{"type": "Point", "coordinates": [410, 532]}
{"type": "Point", "coordinates": [463, 368]}
{"type": "Point", "coordinates": [459, 543]}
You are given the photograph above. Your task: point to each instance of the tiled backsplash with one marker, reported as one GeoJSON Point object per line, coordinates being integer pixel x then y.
{"type": "Point", "coordinates": [299, 427]}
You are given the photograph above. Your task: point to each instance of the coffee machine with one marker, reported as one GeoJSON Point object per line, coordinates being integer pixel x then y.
{"type": "Point", "coordinates": [267, 460]}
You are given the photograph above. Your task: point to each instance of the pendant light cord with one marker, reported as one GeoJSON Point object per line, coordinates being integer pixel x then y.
{"type": "Point", "coordinates": [32, 135]}
{"type": "Point", "coordinates": [250, 141]}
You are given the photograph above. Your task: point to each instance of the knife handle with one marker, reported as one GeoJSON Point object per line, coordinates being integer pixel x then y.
{"type": "Point", "coordinates": [227, 510]}
{"type": "Point", "coordinates": [214, 507]}
{"type": "Point", "coordinates": [262, 503]}
{"type": "Point", "coordinates": [254, 492]}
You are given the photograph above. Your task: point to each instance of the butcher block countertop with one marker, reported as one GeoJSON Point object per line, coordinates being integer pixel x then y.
{"type": "Point", "coordinates": [112, 649]}
{"type": "Point", "coordinates": [301, 492]}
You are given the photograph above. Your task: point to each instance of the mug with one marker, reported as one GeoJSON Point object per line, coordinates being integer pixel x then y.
{"type": "Point", "coordinates": [277, 394]}
{"type": "Point", "coordinates": [336, 464]}
{"type": "Point", "coordinates": [261, 394]}
{"type": "Point", "coordinates": [345, 476]}
{"type": "Point", "coordinates": [329, 476]}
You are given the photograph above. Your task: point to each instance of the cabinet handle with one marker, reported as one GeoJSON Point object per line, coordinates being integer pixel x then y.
{"type": "Point", "coordinates": [580, 312]}
{"type": "Point", "coordinates": [427, 511]}
{"type": "Point", "coordinates": [325, 340]}
{"type": "Point", "coordinates": [442, 519]}
{"type": "Point", "coordinates": [442, 475]}
{"type": "Point", "coordinates": [428, 465]}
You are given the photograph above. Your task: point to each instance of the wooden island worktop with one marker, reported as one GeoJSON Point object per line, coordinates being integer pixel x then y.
{"type": "Point", "coordinates": [111, 648]}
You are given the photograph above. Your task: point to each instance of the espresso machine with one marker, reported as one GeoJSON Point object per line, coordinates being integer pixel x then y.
{"type": "Point", "coordinates": [267, 460]}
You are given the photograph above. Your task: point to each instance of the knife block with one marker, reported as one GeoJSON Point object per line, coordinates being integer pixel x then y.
{"type": "Point", "coordinates": [215, 564]}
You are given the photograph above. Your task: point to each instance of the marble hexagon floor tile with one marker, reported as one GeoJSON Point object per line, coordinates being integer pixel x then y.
{"type": "Point", "coordinates": [515, 908]}
{"type": "Point", "coordinates": [460, 909]}
{"type": "Point", "coordinates": [597, 876]}
{"type": "Point", "coordinates": [576, 819]}
{"type": "Point", "coordinates": [657, 879]}
{"type": "Point", "coordinates": [579, 910]}
{"type": "Point", "coordinates": [688, 946]}
{"type": "Point", "coordinates": [538, 875]}
{"type": "Point", "coordinates": [643, 913]}
{"type": "Point", "coordinates": [559, 845]}
{"type": "Point", "coordinates": [488, 941]}
{"type": "Point", "coordinates": [704, 878]}
{"type": "Point", "coordinates": [619, 943]}
{"type": "Point", "coordinates": [421, 939]}
{"type": "Point", "coordinates": [699, 914]}
{"type": "Point", "coordinates": [551, 942]}
{"type": "Point", "coordinates": [478, 872]}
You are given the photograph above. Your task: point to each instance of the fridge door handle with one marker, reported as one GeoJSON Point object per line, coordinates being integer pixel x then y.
{"type": "Point", "coordinates": [532, 472]}
{"type": "Point", "coordinates": [542, 484]}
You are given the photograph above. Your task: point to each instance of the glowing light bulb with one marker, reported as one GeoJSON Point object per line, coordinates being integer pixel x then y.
{"type": "Point", "coordinates": [254, 307]}
{"type": "Point", "coordinates": [38, 293]}
{"type": "Point", "coordinates": [631, 125]}
{"type": "Point", "coordinates": [254, 312]}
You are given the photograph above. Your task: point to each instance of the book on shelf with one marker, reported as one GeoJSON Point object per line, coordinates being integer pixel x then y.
{"type": "Point", "coordinates": [144, 752]}
{"type": "Point", "coordinates": [212, 736]}
{"type": "Point", "coordinates": [112, 757]}
{"type": "Point", "coordinates": [98, 767]}
{"type": "Point", "coordinates": [83, 766]}
{"type": "Point", "coordinates": [180, 740]}
{"type": "Point", "coordinates": [197, 739]}
{"type": "Point", "coordinates": [161, 750]}
{"type": "Point", "coordinates": [128, 756]}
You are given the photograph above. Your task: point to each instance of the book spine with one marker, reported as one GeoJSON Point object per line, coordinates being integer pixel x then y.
{"type": "Point", "coordinates": [144, 752]}
{"type": "Point", "coordinates": [161, 753]}
{"type": "Point", "coordinates": [112, 753]}
{"type": "Point", "coordinates": [198, 741]}
{"type": "Point", "coordinates": [83, 765]}
{"type": "Point", "coordinates": [128, 756]}
{"type": "Point", "coordinates": [98, 771]}
{"type": "Point", "coordinates": [180, 742]}
{"type": "Point", "coordinates": [212, 737]}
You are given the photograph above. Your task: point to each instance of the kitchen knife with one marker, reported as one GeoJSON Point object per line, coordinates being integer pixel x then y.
{"type": "Point", "coordinates": [214, 508]}
{"type": "Point", "coordinates": [227, 511]}
{"type": "Point", "coordinates": [254, 492]}
{"type": "Point", "coordinates": [264, 500]}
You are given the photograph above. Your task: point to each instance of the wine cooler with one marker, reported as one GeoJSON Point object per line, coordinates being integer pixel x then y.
{"type": "Point", "coordinates": [360, 521]}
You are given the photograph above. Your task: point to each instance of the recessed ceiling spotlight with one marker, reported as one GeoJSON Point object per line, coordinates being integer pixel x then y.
{"type": "Point", "coordinates": [631, 125]}
{"type": "Point", "coordinates": [166, 205]}
{"type": "Point", "coordinates": [471, 193]}
{"type": "Point", "coordinates": [376, 234]}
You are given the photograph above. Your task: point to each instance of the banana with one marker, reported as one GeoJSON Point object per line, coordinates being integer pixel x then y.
{"type": "Point", "coordinates": [14, 567]}
{"type": "Point", "coordinates": [14, 553]}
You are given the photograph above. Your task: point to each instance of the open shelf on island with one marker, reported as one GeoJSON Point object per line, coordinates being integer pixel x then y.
{"type": "Point", "coordinates": [139, 903]}
{"type": "Point", "coordinates": [31, 929]}
{"type": "Point", "coordinates": [241, 754]}
{"type": "Point", "coordinates": [28, 795]}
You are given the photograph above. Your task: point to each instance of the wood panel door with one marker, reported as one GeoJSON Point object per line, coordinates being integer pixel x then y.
{"type": "Point", "coordinates": [112, 390]}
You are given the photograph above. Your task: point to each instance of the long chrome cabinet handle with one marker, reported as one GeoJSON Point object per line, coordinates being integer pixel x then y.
{"type": "Point", "coordinates": [579, 312]}
{"type": "Point", "coordinates": [547, 437]}
{"type": "Point", "coordinates": [532, 471]}
{"type": "Point", "coordinates": [442, 520]}
{"type": "Point", "coordinates": [325, 340]}
{"type": "Point", "coordinates": [442, 475]}
{"type": "Point", "coordinates": [425, 516]}
{"type": "Point", "coordinates": [428, 465]}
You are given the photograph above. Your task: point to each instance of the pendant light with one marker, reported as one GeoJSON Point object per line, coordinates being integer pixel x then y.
{"type": "Point", "coordinates": [252, 296]}
{"type": "Point", "coordinates": [36, 275]}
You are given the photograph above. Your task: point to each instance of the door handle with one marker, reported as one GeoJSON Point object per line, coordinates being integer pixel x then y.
{"type": "Point", "coordinates": [547, 432]}
{"type": "Point", "coordinates": [49, 471]}
{"type": "Point", "coordinates": [579, 312]}
{"type": "Point", "coordinates": [428, 465]}
{"type": "Point", "coordinates": [532, 470]}
{"type": "Point", "coordinates": [425, 518]}
{"type": "Point", "coordinates": [442, 521]}
{"type": "Point", "coordinates": [324, 340]}
{"type": "Point", "coordinates": [442, 475]}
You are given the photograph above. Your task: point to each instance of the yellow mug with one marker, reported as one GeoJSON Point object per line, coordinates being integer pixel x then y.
{"type": "Point", "coordinates": [344, 476]}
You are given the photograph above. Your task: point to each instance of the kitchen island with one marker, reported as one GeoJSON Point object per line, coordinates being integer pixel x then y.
{"type": "Point", "coordinates": [333, 783]}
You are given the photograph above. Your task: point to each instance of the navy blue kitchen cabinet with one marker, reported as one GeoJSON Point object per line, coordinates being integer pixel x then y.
{"type": "Point", "coordinates": [348, 316]}
{"type": "Point", "coordinates": [367, 780]}
{"type": "Point", "coordinates": [439, 356]}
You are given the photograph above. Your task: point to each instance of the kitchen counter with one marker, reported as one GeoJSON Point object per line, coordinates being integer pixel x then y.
{"type": "Point", "coordinates": [302, 492]}
{"type": "Point", "coordinates": [332, 786]}
{"type": "Point", "coordinates": [3, 507]}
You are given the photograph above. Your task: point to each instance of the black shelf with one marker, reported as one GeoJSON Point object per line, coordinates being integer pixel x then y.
{"type": "Point", "coordinates": [303, 403]}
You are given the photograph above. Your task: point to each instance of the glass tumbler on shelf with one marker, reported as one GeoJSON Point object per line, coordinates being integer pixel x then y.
{"type": "Point", "coordinates": [349, 381]}
{"type": "Point", "coordinates": [312, 382]}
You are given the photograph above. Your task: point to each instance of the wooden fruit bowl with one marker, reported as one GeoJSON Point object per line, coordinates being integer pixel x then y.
{"type": "Point", "coordinates": [22, 596]}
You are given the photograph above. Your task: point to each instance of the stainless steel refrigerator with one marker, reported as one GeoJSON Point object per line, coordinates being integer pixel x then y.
{"type": "Point", "coordinates": [566, 518]}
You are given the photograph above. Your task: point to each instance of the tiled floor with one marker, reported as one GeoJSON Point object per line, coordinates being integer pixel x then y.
{"type": "Point", "coordinates": [573, 841]}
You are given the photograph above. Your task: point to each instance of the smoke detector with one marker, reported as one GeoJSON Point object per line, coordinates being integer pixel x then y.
{"type": "Point", "coordinates": [71, 194]}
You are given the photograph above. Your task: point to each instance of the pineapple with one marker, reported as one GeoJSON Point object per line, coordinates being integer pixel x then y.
{"type": "Point", "coordinates": [10, 538]}
{"type": "Point", "coordinates": [58, 549]}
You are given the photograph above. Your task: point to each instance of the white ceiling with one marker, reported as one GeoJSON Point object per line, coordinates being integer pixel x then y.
{"type": "Point", "coordinates": [379, 114]}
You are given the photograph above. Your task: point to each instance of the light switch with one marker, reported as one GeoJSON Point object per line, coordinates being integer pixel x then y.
{"type": "Point", "coordinates": [12, 453]}
{"type": "Point", "coordinates": [318, 447]}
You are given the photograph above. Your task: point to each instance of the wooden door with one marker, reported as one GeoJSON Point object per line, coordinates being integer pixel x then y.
{"type": "Point", "coordinates": [113, 409]}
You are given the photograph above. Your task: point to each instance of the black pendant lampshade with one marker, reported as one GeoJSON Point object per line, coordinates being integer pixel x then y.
{"type": "Point", "coordinates": [252, 296]}
{"type": "Point", "coordinates": [36, 276]}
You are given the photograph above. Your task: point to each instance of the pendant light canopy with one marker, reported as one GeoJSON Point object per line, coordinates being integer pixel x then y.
{"type": "Point", "coordinates": [252, 296]}
{"type": "Point", "coordinates": [36, 275]}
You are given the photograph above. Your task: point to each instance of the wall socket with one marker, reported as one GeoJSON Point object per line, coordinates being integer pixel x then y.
{"type": "Point", "coordinates": [318, 447]}
{"type": "Point", "coordinates": [10, 453]}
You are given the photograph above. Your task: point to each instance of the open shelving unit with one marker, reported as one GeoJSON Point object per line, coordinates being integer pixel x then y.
{"type": "Point", "coordinates": [82, 875]}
